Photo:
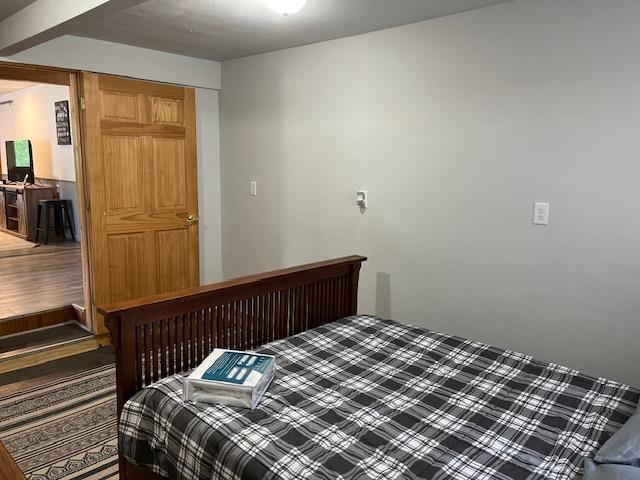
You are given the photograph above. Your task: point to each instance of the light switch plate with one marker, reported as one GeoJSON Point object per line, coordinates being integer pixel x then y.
{"type": "Point", "coordinates": [541, 213]}
{"type": "Point", "coordinates": [253, 188]}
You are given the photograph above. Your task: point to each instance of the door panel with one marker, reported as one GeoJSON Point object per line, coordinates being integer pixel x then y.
{"type": "Point", "coordinates": [171, 246]}
{"type": "Point", "coordinates": [167, 111]}
{"type": "Point", "coordinates": [170, 176]}
{"type": "Point", "coordinates": [123, 154]}
{"type": "Point", "coordinates": [139, 139]}
{"type": "Point", "coordinates": [126, 258]}
{"type": "Point", "coordinates": [119, 106]}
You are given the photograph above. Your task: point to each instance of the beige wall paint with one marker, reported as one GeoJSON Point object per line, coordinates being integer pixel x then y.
{"type": "Point", "coordinates": [32, 116]}
{"type": "Point", "coordinates": [456, 126]}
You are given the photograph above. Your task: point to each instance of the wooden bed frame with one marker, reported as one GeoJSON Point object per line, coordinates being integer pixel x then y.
{"type": "Point", "coordinates": [158, 336]}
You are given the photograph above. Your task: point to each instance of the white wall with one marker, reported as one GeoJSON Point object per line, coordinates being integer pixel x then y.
{"type": "Point", "coordinates": [32, 116]}
{"type": "Point", "coordinates": [107, 57]}
{"type": "Point", "coordinates": [456, 126]}
{"type": "Point", "coordinates": [209, 185]}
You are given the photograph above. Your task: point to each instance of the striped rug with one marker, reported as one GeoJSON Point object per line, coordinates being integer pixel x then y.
{"type": "Point", "coordinates": [65, 429]}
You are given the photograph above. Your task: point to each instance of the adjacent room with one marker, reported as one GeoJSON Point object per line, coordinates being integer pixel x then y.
{"type": "Point", "coordinates": [40, 254]}
{"type": "Point", "coordinates": [319, 239]}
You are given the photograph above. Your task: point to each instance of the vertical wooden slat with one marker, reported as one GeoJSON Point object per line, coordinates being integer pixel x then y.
{"type": "Point", "coordinates": [179, 344]}
{"type": "Point", "coordinates": [293, 298]}
{"type": "Point", "coordinates": [329, 298]}
{"type": "Point", "coordinates": [334, 299]}
{"type": "Point", "coordinates": [171, 334]}
{"type": "Point", "coordinates": [193, 321]}
{"type": "Point", "coordinates": [186, 337]}
{"type": "Point", "coordinates": [297, 321]}
{"type": "Point", "coordinates": [305, 307]}
{"type": "Point", "coordinates": [155, 334]}
{"type": "Point", "coordinates": [219, 327]}
{"type": "Point", "coordinates": [148, 346]}
{"type": "Point", "coordinates": [198, 337]}
{"type": "Point", "coordinates": [233, 319]}
{"type": "Point", "coordinates": [225, 327]}
{"type": "Point", "coordinates": [164, 342]}
{"type": "Point", "coordinates": [342, 297]}
{"type": "Point", "coordinates": [318, 304]}
{"type": "Point", "coordinates": [240, 317]}
{"type": "Point", "coordinates": [322, 304]}
{"type": "Point", "coordinates": [202, 339]}
{"type": "Point", "coordinates": [139, 354]}
{"type": "Point", "coordinates": [238, 325]}
{"type": "Point", "coordinates": [245, 323]}
{"type": "Point", "coordinates": [208, 327]}
{"type": "Point", "coordinates": [272, 316]}
{"type": "Point", "coordinates": [312, 304]}
{"type": "Point", "coordinates": [257, 339]}
{"type": "Point", "coordinates": [263, 320]}
{"type": "Point", "coordinates": [281, 315]}
{"type": "Point", "coordinates": [284, 299]}
{"type": "Point", "coordinates": [251, 327]}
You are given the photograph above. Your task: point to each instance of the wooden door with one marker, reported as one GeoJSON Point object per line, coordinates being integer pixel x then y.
{"type": "Point", "coordinates": [140, 157]}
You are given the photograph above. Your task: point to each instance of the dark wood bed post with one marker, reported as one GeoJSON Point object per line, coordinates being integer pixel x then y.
{"type": "Point", "coordinates": [162, 335]}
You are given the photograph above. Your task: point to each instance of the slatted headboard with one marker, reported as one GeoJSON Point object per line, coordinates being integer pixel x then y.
{"type": "Point", "coordinates": [166, 334]}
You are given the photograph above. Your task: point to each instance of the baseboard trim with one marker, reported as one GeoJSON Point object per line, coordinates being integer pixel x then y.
{"type": "Point", "coordinates": [25, 323]}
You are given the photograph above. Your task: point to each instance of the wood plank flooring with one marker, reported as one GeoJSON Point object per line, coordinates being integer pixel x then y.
{"type": "Point", "coordinates": [40, 281]}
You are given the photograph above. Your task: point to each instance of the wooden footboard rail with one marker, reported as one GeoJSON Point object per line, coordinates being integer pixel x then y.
{"type": "Point", "coordinates": [158, 336]}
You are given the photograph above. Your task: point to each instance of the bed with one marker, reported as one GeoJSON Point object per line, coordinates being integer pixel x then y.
{"type": "Point", "coordinates": [354, 396]}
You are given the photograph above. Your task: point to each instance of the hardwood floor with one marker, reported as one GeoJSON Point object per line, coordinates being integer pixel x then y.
{"type": "Point", "coordinates": [44, 280]}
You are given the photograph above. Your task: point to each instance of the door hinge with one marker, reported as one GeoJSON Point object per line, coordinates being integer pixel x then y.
{"type": "Point", "coordinates": [83, 105]}
{"type": "Point", "coordinates": [87, 204]}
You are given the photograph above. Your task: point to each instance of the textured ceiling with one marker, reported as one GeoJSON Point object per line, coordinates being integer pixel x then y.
{"type": "Point", "coordinates": [226, 29]}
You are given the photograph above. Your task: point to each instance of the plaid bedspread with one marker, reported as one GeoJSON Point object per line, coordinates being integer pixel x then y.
{"type": "Point", "coordinates": [365, 397]}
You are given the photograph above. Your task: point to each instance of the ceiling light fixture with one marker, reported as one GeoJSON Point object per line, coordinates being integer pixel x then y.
{"type": "Point", "coordinates": [285, 7]}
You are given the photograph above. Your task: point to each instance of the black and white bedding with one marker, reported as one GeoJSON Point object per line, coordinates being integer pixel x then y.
{"type": "Point", "coordinates": [365, 397]}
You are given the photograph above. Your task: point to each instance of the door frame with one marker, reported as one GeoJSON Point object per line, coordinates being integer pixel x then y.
{"type": "Point", "coordinates": [72, 79]}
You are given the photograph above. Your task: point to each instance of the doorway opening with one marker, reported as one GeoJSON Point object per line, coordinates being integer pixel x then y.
{"type": "Point", "coordinates": [43, 258]}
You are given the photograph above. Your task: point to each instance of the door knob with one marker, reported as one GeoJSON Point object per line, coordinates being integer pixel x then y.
{"type": "Point", "coordinates": [192, 219]}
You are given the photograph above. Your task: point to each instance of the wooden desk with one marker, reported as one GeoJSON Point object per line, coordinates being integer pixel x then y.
{"type": "Point", "coordinates": [19, 208]}
{"type": "Point", "coordinates": [8, 468]}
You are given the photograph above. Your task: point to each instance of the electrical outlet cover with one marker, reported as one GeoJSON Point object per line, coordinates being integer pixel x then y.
{"type": "Point", "coordinates": [541, 213]}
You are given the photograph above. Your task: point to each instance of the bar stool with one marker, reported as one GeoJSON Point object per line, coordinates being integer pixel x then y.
{"type": "Point", "coordinates": [63, 218]}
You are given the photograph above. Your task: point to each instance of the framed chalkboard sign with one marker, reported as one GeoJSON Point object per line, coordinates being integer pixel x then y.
{"type": "Point", "coordinates": [63, 125]}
